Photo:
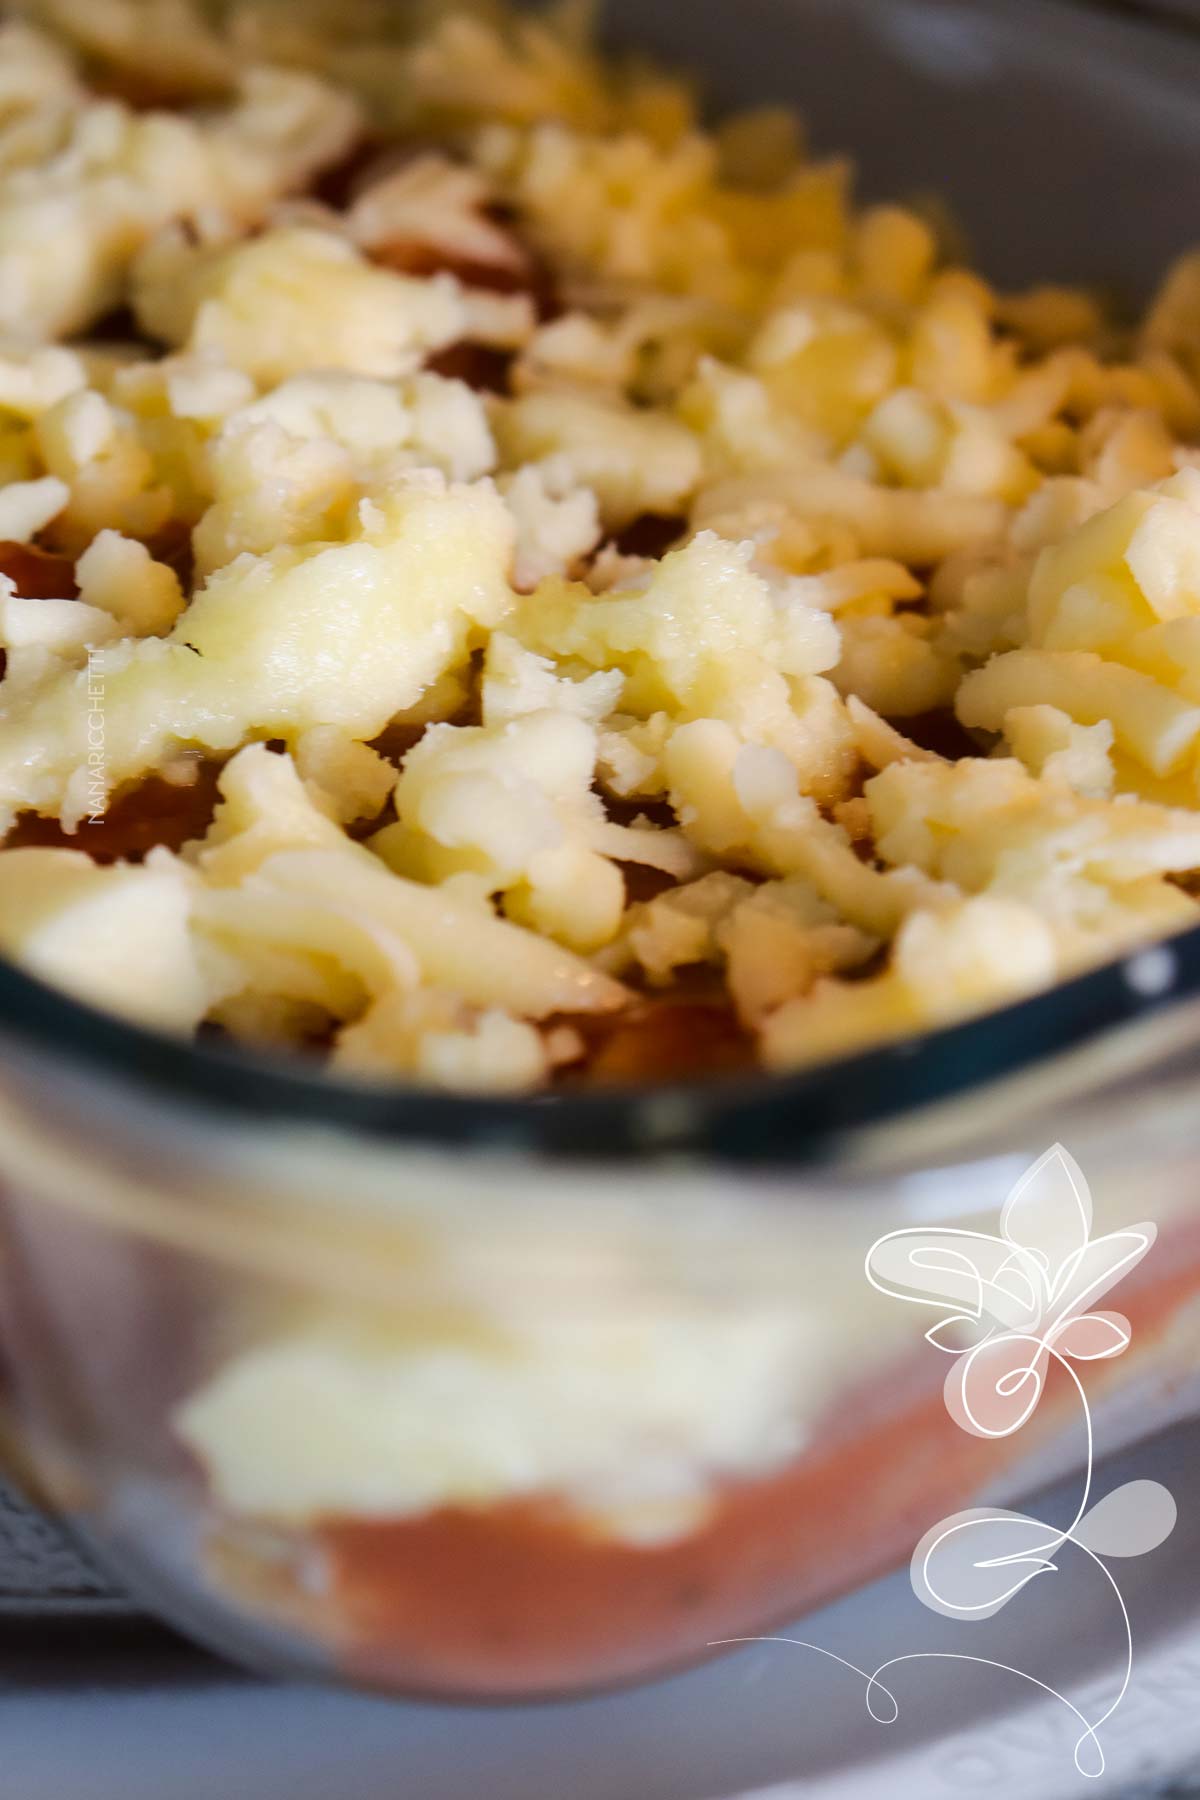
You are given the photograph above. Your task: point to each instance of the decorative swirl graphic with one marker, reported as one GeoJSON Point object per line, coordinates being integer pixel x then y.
{"type": "Point", "coordinates": [1021, 1302]}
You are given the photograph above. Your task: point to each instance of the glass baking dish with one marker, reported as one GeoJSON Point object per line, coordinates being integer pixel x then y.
{"type": "Point", "coordinates": [497, 1399]}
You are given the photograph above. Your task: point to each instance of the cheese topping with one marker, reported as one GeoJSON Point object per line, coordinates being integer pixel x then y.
{"type": "Point", "coordinates": [627, 565]}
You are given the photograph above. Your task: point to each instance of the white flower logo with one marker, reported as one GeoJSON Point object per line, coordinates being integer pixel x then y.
{"type": "Point", "coordinates": [1020, 1300]}
{"type": "Point", "coordinates": [1014, 1308]}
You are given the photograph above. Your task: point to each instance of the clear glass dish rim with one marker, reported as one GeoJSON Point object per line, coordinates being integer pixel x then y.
{"type": "Point", "coordinates": [789, 1121]}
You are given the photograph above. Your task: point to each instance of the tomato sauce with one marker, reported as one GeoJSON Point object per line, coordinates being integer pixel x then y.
{"type": "Point", "coordinates": [677, 1036]}
{"type": "Point", "coordinates": [38, 574]}
{"type": "Point", "coordinates": [154, 812]}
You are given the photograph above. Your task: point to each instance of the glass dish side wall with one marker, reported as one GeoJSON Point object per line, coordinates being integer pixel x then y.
{"type": "Point", "coordinates": [163, 1267]}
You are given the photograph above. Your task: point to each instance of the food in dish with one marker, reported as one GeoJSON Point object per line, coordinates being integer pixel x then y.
{"type": "Point", "coordinates": [502, 584]}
